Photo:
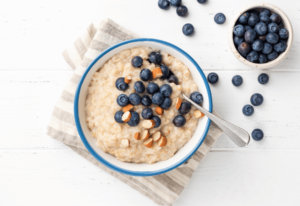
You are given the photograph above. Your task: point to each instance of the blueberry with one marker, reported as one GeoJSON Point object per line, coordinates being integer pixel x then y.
{"type": "Point", "coordinates": [157, 98]}
{"type": "Point", "coordinates": [179, 121]}
{"type": "Point", "coordinates": [261, 28]}
{"type": "Point", "coordinates": [248, 110]}
{"type": "Point", "coordinates": [263, 38]}
{"type": "Point", "coordinates": [122, 100]}
{"type": "Point", "coordinates": [250, 36]}
{"type": "Point", "coordinates": [280, 47]}
{"type": "Point", "coordinates": [173, 79]}
{"type": "Point", "coordinates": [134, 120]}
{"type": "Point", "coordinates": [166, 90]}
{"type": "Point", "coordinates": [237, 80]}
{"type": "Point", "coordinates": [272, 56]}
{"type": "Point", "coordinates": [239, 30]}
{"type": "Point", "coordinates": [196, 97]}
{"type": "Point", "coordinates": [257, 134]}
{"type": "Point", "coordinates": [167, 103]}
{"type": "Point", "coordinates": [275, 18]}
{"type": "Point", "coordinates": [247, 27]}
{"type": "Point", "coordinates": [262, 58]}
{"type": "Point", "coordinates": [157, 121]}
{"type": "Point", "coordinates": [256, 99]}
{"type": "Point", "coordinates": [164, 4]}
{"type": "Point", "coordinates": [244, 18]}
{"type": "Point", "coordinates": [272, 38]}
{"type": "Point", "coordinates": [121, 85]}
{"type": "Point", "coordinates": [220, 18]}
{"type": "Point", "coordinates": [185, 108]}
{"type": "Point", "coordinates": [146, 75]}
{"type": "Point", "coordinates": [139, 87]}
{"type": "Point", "coordinates": [244, 48]}
{"type": "Point", "coordinates": [265, 18]}
{"type": "Point", "coordinates": [254, 12]}
{"type": "Point", "coordinates": [182, 10]}
{"type": "Point", "coordinates": [253, 57]}
{"type": "Point", "coordinates": [135, 99]}
{"type": "Point", "coordinates": [283, 33]}
{"type": "Point", "coordinates": [146, 100]}
{"type": "Point", "coordinates": [280, 25]}
{"type": "Point", "coordinates": [188, 29]}
{"type": "Point", "coordinates": [118, 117]}
{"type": "Point", "coordinates": [165, 70]}
{"type": "Point", "coordinates": [175, 2]}
{"type": "Point", "coordinates": [155, 57]}
{"type": "Point", "coordinates": [257, 45]}
{"type": "Point", "coordinates": [212, 78]}
{"type": "Point", "coordinates": [267, 49]}
{"type": "Point", "coordinates": [273, 27]}
{"type": "Point", "coordinates": [152, 88]}
{"type": "Point", "coordinates": [238, 40]}
{"type": "Point", "coordinates": [265, 12]}
{"type": "Point", "coordinates": [263, 78]}
{"type": "Point", "coordinates": [147, 113]}
{"type": "Point", "coordinates": [202, 1]}
{"type": "Point", "coordinates": [137, 62]}
{"type": "Point", "coordinates": [253, 20]}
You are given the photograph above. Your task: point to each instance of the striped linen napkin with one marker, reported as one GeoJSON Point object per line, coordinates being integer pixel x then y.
{"type": "Point", "coordinates": [163, 189]}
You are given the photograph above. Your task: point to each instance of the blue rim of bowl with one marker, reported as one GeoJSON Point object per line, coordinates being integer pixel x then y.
{"type": "Point", "coordinates": [125, 171]}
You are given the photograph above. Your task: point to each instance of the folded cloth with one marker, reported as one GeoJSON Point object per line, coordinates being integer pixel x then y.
{"type": "Point", "coordinates": [163, 189]}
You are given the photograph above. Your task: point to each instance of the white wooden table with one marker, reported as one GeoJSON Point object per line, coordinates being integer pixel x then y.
{"type": "Point", "coordinates": [37, 170]}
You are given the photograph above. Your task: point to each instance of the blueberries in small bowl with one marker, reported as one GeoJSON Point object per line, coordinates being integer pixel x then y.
{"type": "Point", "coordinates": [265, 18]}
{"type": "Point", "coordinates": [237, 80]}
{"type": "Point", "coordinates": [244, 48]}
{"type": "Point", "coordinates": [253, 20]}
{"type": "Point", "coordinates": [137, 62]}
{"type": "Point", "coordinates": [134, 120]}
{"type": "Point", "coordinates": [182, 11]}
{"type": "Point", "coordinates": [272, 38]}
{"type": "Point", "coordinates": [122, 100]}
{"type": "Point", "coordinates": [272, 56]}
{"type": "Point", "coordinates": [155, 57]}
{"type": "Point", "coordinates": [167, 103]}
{"type": "Point", "coordinates": [283, 33]}
{"type": "Point", "coordinates": [152, 88]}
{"type": "Point", "coordinates": [257, 134]}
{"type": "Point", "coordinates": [165, 70]}
{"type": "Point", "coordinates": [185, 108]}
{"type": "Point", "coordinates": [220, 18]}
{"type": "Point", "coordinates": [196, 97]}
{"type": "Point", "coordinates": [248, 110]}
{"type": "Point", "coordinates": [135, 99]}
{"type": "Point", "coordinates": [175, 3]}
{"type": "Point", "coordinates": [253, 57]}
{"type": "Point", "coordinates": [164, 4]}
{"type": "Point", "coordinates": [146, 75]}
{"type": "Point", "coordinates": [262, 58]}
{"type": "Point", "coordinates": [146, 100]}
{"type": "Point", "coordinates": [263, 38]}
{"type": "Point", "coordinates": [261, 28]}
{"type": "Point", "coordinates": [188, 29]}
{"type": "Point", "coordinates": [263, 78]}
{"type": "Point", "coordinates": [256, 99]}
{"type": "Point", "coordinates": [158, 98]}
{"type": "Point", "coordinates": [280, 47]}
{"type": "Point", "coordinates": [265, 12]}
{"type": "Point", "coordinates": [139, 87]}
{"type": "Point", "coordinates": [147, 113]}
{"type": "Point", "coordinates": [118, 117]}
{"type": "Point", "coordinates": [212, 78]}
{"type": "Point", "coordinates": [257, 45]}
{"type": "Point", "coordinates": [121, 84]}
{"type": "Point", "coordinates": [179, 121]}
{"type": "Point", "coordinates": [247, 27]}
{"type": "Point", "coordinates": [267, 49]}
{"type": "Point", "coordinates": [239, 30]}
{"type": "Point", "coordinates": [173, 79]}
{"type": "Point", "coordinates": [238, 40]}
{"type": "Point", "coordinates": [157, 121]}
{"type": "Point", "coordinates": [166, 90]}
{"type": "Point", "coordinates": [244, 18]}
{"type": "Point", "coordinates": [273, 27]}
{"type": "Point", "coordinates": [275, 18]}
{"type": "Point", "coordinates": [250, 36]}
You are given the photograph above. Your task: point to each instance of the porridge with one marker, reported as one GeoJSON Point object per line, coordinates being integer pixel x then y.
{"type": "Point", "coordinates": [135, 109]}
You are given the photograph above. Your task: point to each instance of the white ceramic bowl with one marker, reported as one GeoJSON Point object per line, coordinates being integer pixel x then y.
{"type": "Point", "coordinates": [285, 21]}
{"type": "Point", "coordinates": [132, 168]}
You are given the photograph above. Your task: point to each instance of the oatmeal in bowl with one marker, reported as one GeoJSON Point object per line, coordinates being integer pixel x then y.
{"type": "Point", "coordinates": [131, 114]}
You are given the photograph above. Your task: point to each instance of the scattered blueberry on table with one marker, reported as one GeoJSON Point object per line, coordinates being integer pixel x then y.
{"type": "Point", "coordinates": [188, 29]}
{"type": "Point", "coordinates": [179, 121]}
{"type": "Point", "coordinates": [157, 121]}
{"type": "Point", "coordinates": [248, 110]}
{"type": "Point", "coordinates": [202, 1]}
{"type": "Point", "coordinates": [257, 134]}
{"type": "Point", "coordinates": [121, 84]}
{"type": "Point", "coordinates": [196, 97]}
{"type": "Point", "coordinates": [134, 120]}
{"type": "Point", "coordinates": [263, 78]}
{"type": "Point", "coordinates": [118, 117]}
{"type": "Point", "coordinates": [137, 62]}
{"type": "Point", "coordinates": [182, 11]}
{"type": "Point", "coordinates": [164, 4]}
{"type": "Point", "coordinates": [135, 99]}
{"type": "Point", "coordinates": [256, 99]}
{"type": "Point", "coordinates": [212, 78]}
{"type": "Point", "coordinates": [122, 100]}
{"type": "Point", "coordinates": [237, 80]}
{"type": "Point", "coordinates": [175, 3]}
{"type": "Point", "coordinates": [220, 18]}
{"type": "Point", "coordinates": [147, 113]}
{"type": "Point", "coordinates": [146, 100]}
{"type": "Point", "coordinates": [185, 108]}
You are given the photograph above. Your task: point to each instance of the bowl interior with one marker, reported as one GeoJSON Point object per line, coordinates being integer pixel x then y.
{"type": "Point", "coordinates": [286, 22]}
{"type": "Point", "coordinates": [132, 168]}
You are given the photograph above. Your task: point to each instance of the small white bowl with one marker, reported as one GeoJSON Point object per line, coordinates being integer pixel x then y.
{"type": "Point", "coordinates": [286, 22]}
{"type": "Point", "coordinates": [132, 168]}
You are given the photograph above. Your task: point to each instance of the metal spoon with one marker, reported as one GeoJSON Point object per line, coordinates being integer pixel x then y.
{"type": "Point", "coordinates": [239, 136]}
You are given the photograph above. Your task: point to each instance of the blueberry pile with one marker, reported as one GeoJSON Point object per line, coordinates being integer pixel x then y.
{"type": "Point", "coordinates": [260, 37]}
{"type": "Point", "coordinates": [159, 96]}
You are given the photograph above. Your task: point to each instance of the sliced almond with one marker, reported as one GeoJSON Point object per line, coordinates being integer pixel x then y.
{"type": "Point", "coordinates": [198, 114]}
{"type": "Point", "coordinates": [157, 73]}
{"type": "Point", "coordinates": [128, 79]}
{"type": "Point", "coordinates": [127, 108]}
{"type": "Point", "coordinates": [178, 102]}
{"type": "Point", "coordinates": [137, 136]}
{"type": "Point", "coordinates": [148, 124]}
{"type": "Point", "coordinates": [162, 141]}
{"type": "Point", "coordinates": [159, 110]}
{"type": "Point", "coordinates": [126, 116]}
{"type": "Point", "coordinates": [125, 143]}
{"type": "Point", "coordinates": [148, 143]}
{"type": "Point", "coordinates": [156, 136]}
{"type": "Point", "coordinates": [145, 135]}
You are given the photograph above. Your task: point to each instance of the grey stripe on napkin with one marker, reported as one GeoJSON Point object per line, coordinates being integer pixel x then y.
{"type": "Point", "coordinates": [163, 189]}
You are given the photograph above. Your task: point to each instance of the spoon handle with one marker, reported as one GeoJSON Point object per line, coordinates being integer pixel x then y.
{"type": "Point", "coordinates": [239, 136]}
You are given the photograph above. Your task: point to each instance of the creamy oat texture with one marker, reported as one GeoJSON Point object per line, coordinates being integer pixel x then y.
{"type": "Point", "coordinates": [101, 106]}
